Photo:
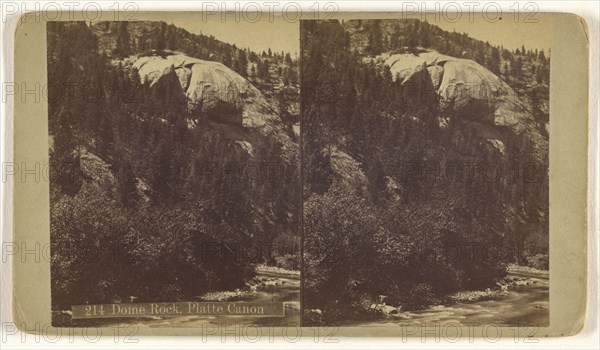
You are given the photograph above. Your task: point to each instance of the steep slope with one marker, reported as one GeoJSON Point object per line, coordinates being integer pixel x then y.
{"type": "Point", "coordinates": [414, 151]}
{"type": "Point", "coordinates": [469, 91]}
{"type": "Point", "coordinates": [178, 152]}
{"type": "Point", "coordinates": [525, 70]}
{"type": "Point", "coordinates": [211, 88]}
{"type": "Point", "coordinates": [274, 74]}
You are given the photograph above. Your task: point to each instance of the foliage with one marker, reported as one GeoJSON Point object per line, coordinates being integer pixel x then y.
{"type": "Point", "coordinates": [165, 199]}
{"type": "Point", "coordinates": [399, 237]}
{"type": "Point", "coordinates": [103, 254]}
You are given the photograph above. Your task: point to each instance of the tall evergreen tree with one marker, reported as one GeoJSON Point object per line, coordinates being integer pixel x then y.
{"type": "Point", "coordinates": [495, 61]}
{"type": "Point", "coordinates": [375, 37]}
{"type": "Point", "coordinates": [126, 185]}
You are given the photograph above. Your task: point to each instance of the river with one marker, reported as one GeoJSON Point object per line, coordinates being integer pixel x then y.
{"type": "Point", "coordinates": [525, 305]}
{"type": "Point", "coordinates": [287, 290]}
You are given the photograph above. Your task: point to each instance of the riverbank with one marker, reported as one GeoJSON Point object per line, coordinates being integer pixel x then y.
{"type": "Point", "coordinates": [271, 285]}
{"type": "Point", "coordinates": [266, 276]}
{"type": "Point", "coordinates": [517, 275]}
{"type": "Point", "coordinates": [522, 297]}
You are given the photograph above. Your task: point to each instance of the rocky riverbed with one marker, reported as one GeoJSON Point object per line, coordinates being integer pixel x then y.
{"type": "Point", "coordinates": [271, 285]}
{"type": "Point", "coordinates": [522, 297]}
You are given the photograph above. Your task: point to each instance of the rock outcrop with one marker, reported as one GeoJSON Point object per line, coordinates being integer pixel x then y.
{"type": "Point", "coordinates": [205, 83]}
{"type": "Point", "coordinates": [213, 89]}
{"type": "Point", "coordinates": [466, 90]}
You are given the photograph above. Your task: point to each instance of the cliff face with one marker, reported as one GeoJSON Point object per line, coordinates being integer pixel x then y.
{"type": "Point", "coordinates": [479, 120]}
{"type": "Point", "coordinates": [424, 146]}
{"type": "Point", "coordinates": [172, 121]}
{"type": "Point", "coordinates": [179, 149]}
{"type": "Point", "coordinates": [213, 77]}
{"type": "Point", "coordinates": [467, 91]}
{"type": "Point", "coordinates": [214, 91]}
{"type": "Point", "coordinates": [421, 129]}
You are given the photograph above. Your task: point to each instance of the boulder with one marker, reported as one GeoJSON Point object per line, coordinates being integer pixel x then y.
{"type": "Point", "coordinates": [468, 91]}
{"type": "Point", "coordinates": [212, 82]}
{"type": "Point", "coordinates": [184, 75]}
{"type": "Point", "coordinates": [348, 173]}
{"type": "Point", "coordinates": [464, 87]}
{"type": "Point", "coordinates": [389, 310]}
{"type": "Point", "coordinates": [419, 87]}
{"type": "Point", "coordinates": [216, 92]}
{"type": "Point", "coordinates": [210, 86]}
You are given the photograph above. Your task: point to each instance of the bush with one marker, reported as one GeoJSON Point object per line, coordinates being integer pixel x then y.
{"type": "Point", "coordinates": [104, 254]}
{"type": "Point", "coordinates": [355, 252]}
{"type": "Point", "coordinates": [539, 261]}
{"type": "Point", "coordinates": [287, 251]}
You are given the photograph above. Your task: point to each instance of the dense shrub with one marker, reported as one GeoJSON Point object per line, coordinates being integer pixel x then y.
{"type": "Point", "coordinates": [149, 198]}
{"type": "Point", "coordinates": [103, 254]}
{"type": "Point", "coordinates": [539, 261]}
{"type": "Point", "coordinates": [374, 230]}
{"type": "Point", "coordinates": [354, 253]}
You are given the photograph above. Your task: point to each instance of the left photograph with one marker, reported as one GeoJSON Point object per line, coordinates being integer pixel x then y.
{"type": "Point", "coordinates": [175, 193]}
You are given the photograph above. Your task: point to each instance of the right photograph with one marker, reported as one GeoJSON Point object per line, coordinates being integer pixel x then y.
{"type": "Point", "coordinates": [425, 172]}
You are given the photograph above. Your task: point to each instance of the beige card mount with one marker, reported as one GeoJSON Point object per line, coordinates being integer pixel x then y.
{"type": "Point", "coordinates": [370, 174]}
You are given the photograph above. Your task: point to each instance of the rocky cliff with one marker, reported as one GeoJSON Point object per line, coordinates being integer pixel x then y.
{"type": "Point", "coordinates": [468, 91]}
{"type": "Point", "coordinates": [211, 88]}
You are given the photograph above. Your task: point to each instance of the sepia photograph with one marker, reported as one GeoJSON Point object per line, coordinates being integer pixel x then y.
{"type": "Point", "coordinates": [290, 173]}
{"type": "Point", "coordinates": [425, 171]}
{"type": "Point", "coordinates": [175, 192]}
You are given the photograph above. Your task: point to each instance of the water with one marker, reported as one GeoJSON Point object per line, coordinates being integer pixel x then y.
{"type": "Point", "coordinates": [287, 292]}
{"type": "Point", "coordinates": [523, 305]}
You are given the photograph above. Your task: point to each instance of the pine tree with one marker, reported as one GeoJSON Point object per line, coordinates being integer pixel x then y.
{"type": "Point", "coordinates": [241, 65]}
{"type": "Point", "coordinates": [395, 38]}
{"type": "Point", "coordinates": [171, 38]}
{"type": "Point", "coordinates": [425, 35]}
{"type": "Point", "coordinates": [123, 44]}
{"type": "Point", "coordinates": [105, 134]}
{"type": "Point", "coordinates": [376, 176]}
{"type": "Point", "coordinates": [480, 56]}
{"type": "Point", "coordinates": [162, 169]}
{"type": "Point", "coordinates": [375, 36]}
{"type": "Point", "coordinates": [126, 185]}
{"type": "Point", "coordinates": [281, 102]}
{"type": "Point", "coordinates": [517, 68]}
{"type": "Point", "coordinates": [495, 61]}
{"type": "Point", "coordinates": [158, 38]}
{"type": "Point", "coordinates": [285, 77]}
{"type": "Point", "coordinates": [542, 57]}
{"type": "Point", "coordinates": [412, 39]}
{"type": "Point", "coordinates": [64, 159]}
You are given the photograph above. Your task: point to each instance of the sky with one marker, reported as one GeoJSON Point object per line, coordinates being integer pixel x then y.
{"type": "Point", "coordinates": [507, 32]}
{"type": "Point", "coordinates": [260, 36]}
{"type": "Point", "coordinates": [534, 30]}
{"type": "Point", "coordinates": [280, 35]}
